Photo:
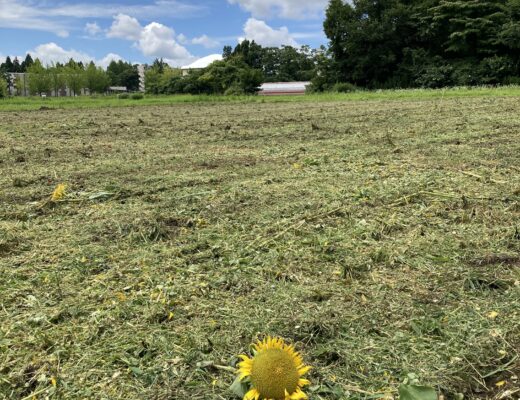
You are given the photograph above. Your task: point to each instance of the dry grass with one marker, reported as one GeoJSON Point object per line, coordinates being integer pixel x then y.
{"type": "Point", "coordinates": [382, 237]}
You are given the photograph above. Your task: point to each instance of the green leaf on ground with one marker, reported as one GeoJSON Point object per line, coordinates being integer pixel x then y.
{"type": "Point", "coordinates": [239, 388]}
{"type": "Point", "coordinates": [413, 392]}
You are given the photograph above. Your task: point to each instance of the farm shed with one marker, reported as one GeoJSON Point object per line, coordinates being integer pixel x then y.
{"type": "Point", "coordinates": [283, 88]}
{"type": "Point", "coordinates": [201, 63]}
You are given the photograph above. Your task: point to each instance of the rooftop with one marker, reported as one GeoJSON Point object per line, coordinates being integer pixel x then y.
{"type": "Point", "coordinates": [204, 62]}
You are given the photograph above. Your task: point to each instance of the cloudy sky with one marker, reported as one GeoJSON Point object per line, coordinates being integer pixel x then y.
{"type": "Point", "coordinates": [179, 31]}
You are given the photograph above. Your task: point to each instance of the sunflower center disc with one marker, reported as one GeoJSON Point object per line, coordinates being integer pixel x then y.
{"type": "Point", "coordinates": [274, 371]}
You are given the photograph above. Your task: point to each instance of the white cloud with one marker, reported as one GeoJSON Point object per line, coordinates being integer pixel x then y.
{"type": "Point", "coordinates": [158, 40]}
{"type": "Point", "coordinates": [266, 36]}
{"type": "Point", "coordinates": [92, 29]}
{"type": "Point", "coordinates": [16, 14]}
{"type": "Point", "coordinates": [50, 53]}
{"type": "Point", "coordinates": [125, 27]}
{"type": "Point", "coordinates": [108, 59]}
{"type": "Point", "coordinates": [205, 41]}
{"type": "Point", "coordinates": [156, 9]}
{"type": "Point", "coordinates": [59, 18]}
{"type": "Point", "coordinates": [181, 38]}
{"type": "Point", "coordinates": [293, 9]}
{"type": "Point", "coordinates": [154, 40]}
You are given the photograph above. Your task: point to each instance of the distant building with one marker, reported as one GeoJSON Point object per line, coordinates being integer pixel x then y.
{"type": "Point", "coordinates": [117, 89]}
{"type": "Point", "coordinates": [283, 88]}
{"type": "Point", "coordinates": [142, 79]}
{"type": "Point", "coordinates": [201, 63]}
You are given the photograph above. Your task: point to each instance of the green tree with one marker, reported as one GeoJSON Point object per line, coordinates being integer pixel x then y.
{"type": "Point", "coordinates": [277, 64]}
{"type": "Point", "coordinates": [57, 74]}
{"type": "Point", "coordinates": [74, 76]}
{"type": "Point", "coordinates": [158, 82]}
{"type": "Point", "coordinates": [96, 79]}
{"type": "Point", "coordinates": [368, 38]}
{"type": "Point", "coordinates": [249, 80]}
{"type": "Point", "coordinates": [7, 66]}
{"type": "Point", "coordinates": [468, 28]}
{"type": "Point", "coordinates": [21, 85]}
{"type": "Point", "coordinates": [432, 43]}
{"type": "Point", "coordinates": [159, 65]}
{"type": "Point", "coordinates": [250, 52]}
{"type": "Point", "coordinates": [3, 88]}
{"type": "Point", "coordinates": [227, 52]}
{"type": "Point", "coordinates": [27, 63]}
{"type": "Point", "coordinates": [39, 80]}
{"type": "Point", "coordinates": [125, 74]}
{"type": "Point", "coordinates": [231, 76]}
{"type": "Point", "coordinates": [16, 66]}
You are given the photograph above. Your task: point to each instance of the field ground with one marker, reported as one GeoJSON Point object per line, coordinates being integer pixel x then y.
{"type": "Point", "coordinates": [381, 236]}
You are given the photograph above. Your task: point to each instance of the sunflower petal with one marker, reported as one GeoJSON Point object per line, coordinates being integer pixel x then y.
{"type": "Point", "coordinates": [253, 394]}
{"type": "Point", "coordinates": [304, 370]}
{"type": "Point", "coordinates": [298, 395]}
{"type": "Point", "coordinates": [303, 382]}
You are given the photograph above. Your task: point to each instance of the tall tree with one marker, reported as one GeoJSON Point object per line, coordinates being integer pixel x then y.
{"type": "Point", "coordinates": [8, 65]}
{"type": "Point", "coordinates": [16, 65]}
{"type": "Point", "coordinates": [395, 43]}
{"type": "Point", "coordinates": [3, 88]}
{"type": "Point", "coordinates": [74, 77]}
{"type": "Point", "coordinates": [39, 79]}
{"type": "Point", "coordinates": [57, 75]}
{"type": "Point", "coordinates": [227, 52]}
{"type": "Point", "coordinates": [27, 63]}
{"type": "Point", "coordinates": [368, 38]}
{"type": "Point", "coordinates": [125, 74]}
{"type": "Point", "coordinates": [96, 79]}
{"type": "Point", "coordinates": [468, 28]}
{"type": "Point", "coordinates": [250, 52]}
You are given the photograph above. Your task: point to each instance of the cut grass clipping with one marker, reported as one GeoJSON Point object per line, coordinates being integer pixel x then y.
{"type": "Point", "coordinates": [379, 237]}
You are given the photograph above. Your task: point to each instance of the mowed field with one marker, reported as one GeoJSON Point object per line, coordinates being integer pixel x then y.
{"type": "Point", "coordinates": [382, 237]}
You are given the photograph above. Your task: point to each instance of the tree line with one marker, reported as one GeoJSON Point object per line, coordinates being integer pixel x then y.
{"type": "Point", "coordinates": [421, 43]}
{"type": "Point", "coordinates": [74, 75]}
{"type": "Point", "coordinates": [242, 70]}
{"type": "Point", "coordinates": [372, 44]}
{"type": "Point", "coordinates": [377, 44]}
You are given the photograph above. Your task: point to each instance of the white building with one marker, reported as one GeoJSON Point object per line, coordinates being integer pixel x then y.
{"type": "Point", "coordinates": [141, 71]}
{"type": "Point", "coordinates": [283, 88]}
{"type": "Point", "coordinates": [201, 63]}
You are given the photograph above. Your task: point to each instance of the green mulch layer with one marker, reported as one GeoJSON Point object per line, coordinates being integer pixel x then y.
{"type": "Point", "coordinates": [381, 237]}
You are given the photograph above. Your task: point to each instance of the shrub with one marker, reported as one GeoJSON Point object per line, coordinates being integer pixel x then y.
{"type": "Point", "coordinates": [343, 87]}
{"type": "Point", "coordinates": [3, 88]}
{"type": "Point", "coordinates": [435, 76]}
{"type": "Point", "coordinates": [123, 96]}
{"type": "Point", "coordinates": [497, 69]}
{"type": "Point", "coordinates": [234, 90]}
{"type": "Point", "coordinates": [137, 96]}
{"type": "Point", "coordinates": [512, 80]}
{"type": "Point", "coordinates": [467, 74]}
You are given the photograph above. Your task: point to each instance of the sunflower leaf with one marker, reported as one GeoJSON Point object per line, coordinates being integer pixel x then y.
{"type": "Point", "coordinates": [414, 392]}
{"type": "Point", "coordinates": [239, 388]}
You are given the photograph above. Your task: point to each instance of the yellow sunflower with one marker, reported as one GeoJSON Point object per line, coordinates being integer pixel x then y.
{"type": "Point", "coordinates": [275, 371]}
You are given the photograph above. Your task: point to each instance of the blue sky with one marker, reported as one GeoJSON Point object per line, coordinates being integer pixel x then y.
{"type": "Point", "coordinates": [179, 31]}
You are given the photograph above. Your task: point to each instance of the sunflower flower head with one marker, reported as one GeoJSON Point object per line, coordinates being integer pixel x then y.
{"type": "Point", "coordinates": [275, 371]}
{"type": "Point", "coordinates": [59, 192]}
